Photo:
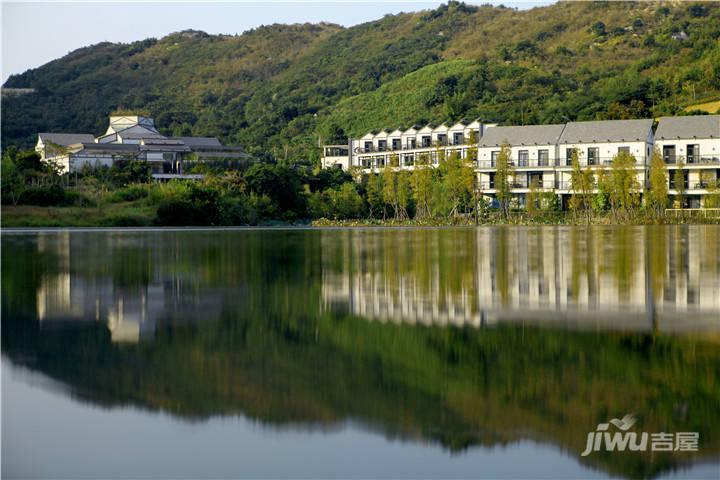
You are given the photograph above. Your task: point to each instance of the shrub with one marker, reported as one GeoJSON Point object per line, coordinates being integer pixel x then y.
{"type": "Point", "coordinates": [238, 211]}
{"type": "Point", "coordinates": [74, 198]}
{"type": "Point", "coordinates": [43, 196]}
{"type": "Point", "coordinates": [128, 221]}
{"type": "Point", "coordinates": [129, 193]}
{"type": "Point", "coordinates": [176, 212]}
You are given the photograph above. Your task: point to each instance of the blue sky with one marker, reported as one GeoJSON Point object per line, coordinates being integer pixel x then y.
{"type": "Point", "coordinates": [33, 33]}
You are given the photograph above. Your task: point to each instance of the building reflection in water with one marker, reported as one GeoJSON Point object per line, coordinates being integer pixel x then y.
{"type": "Point", "coordinates": [635, 278]}
{"type": "Point", "coordinates": [70, 292]}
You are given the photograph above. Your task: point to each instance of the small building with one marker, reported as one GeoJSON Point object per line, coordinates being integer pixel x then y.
{"type": "Point", "coordinates": [133, 137]}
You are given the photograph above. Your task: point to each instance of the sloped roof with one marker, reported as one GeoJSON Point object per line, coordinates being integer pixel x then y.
{"type": "Point", "coordinates": [199, 141]}
{"type": "Point", "coordinates": [66, 139]}
{"type": "Point", "coordinates": [606, 130]}
{"type": "Point", "coordinates": [696, 126]}
{"type": "Point", "coordinates": [522, 135]}
{"type": "Point", "coordinates": [140, 135]}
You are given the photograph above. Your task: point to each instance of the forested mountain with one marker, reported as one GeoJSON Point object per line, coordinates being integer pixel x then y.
{"type": "Point", "coordinates": [277, 89]}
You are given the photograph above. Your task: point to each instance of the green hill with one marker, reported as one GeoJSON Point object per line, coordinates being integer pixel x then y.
{"type": "Point", "coordinates": [276, 89]}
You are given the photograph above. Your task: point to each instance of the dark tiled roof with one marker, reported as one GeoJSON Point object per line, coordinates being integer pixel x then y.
{"type": "Point", "coordinates": [522, 135]}
{"type": "Point", "coordinates": [66, 139]}
{"type": "Point", "coordinates": [607, 131]}
{"type": "Point", "coordinates": [696, 126]}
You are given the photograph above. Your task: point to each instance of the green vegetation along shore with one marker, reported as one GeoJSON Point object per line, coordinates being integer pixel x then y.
{"type": "Point", "coordinates": [35, 195]}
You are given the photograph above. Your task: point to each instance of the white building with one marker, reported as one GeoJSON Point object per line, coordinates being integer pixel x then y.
{"type": "Point", "coordinates": [533, 154]}
{"type": "Point", "coordinates": [693, 144]}
{"type": "Point", "coordinates": [405, 146]}
{"type": "Point", "coordinates": [541, 155]}
{"type": "Point", "coordinates": [131, 137]}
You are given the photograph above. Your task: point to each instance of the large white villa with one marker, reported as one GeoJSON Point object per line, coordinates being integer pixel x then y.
{"type": "Point", "coordinates": [541, 154]}
{"type": "Point", "coordinates": [132, 137]}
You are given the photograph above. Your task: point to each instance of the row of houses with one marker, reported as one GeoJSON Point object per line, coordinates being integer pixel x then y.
{"type": "Point", "coordinates": [133, 137]}
{"type": "Point", "coordinates": [542, 154]}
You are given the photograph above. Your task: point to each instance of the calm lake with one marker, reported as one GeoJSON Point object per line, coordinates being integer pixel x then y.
{"type": "Point", "coordinates": [449, 352]}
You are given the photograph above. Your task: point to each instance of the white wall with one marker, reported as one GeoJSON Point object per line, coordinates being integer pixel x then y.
{"type": "Point", "coordinates": [485, 154]}
{"type": "Point", "coordinates": [607, 151]}
{"type": "Point", "coordinates": [709, 147]}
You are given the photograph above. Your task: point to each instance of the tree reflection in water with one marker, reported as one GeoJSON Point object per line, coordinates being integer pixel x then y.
{"type": "Point", "coordinates": [459, 336]}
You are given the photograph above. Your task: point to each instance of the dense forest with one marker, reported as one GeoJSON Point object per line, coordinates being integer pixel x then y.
{"type": "Point", "coordinates": [277, 90]}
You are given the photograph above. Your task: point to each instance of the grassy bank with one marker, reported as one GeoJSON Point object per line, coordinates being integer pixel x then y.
{"type": "Point", "coordinates": [518, 219]}
{"type": "Point", "coordinates": [124, 214]}
{"type": "Point", "coordinates": [142, 213]}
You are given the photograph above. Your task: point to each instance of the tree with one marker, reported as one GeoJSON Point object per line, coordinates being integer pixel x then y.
{"type": "Point", "coordinates": [389, 189]}
{"type": "Point", "coordinates": [373, 191]}
{"type": "Point", "coordinates": [422, 183]}
{"type": "Point", "coordinates": [12, 180]}
{"type": "Point", "coordinates": [346, 201]}
{"type": "Point", "coordinates": [623, 185]}
{"type": "Point", "coordinates": [503, 178]}
{"type": "Point", "coordinates": [601, 199]}
{"type": "Point", "coordinates": [456, 183]}
{"type": "Point", "coordinates": [581, 184]}
{"type": "Point", "coordinates": [598, 28]}
{"type": "Point", "coordinates": [531, 200]}
{"type": "Point", "coordinates": [679, 181]}
{"type": "Point", "coordinates": [712, 185]}
{"type": "Point", "coordinates": [657, 196]}
{"type": "Point", "coordinates": [404, 194]}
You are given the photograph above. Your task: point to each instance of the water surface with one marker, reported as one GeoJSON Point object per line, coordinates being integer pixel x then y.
{"type": "Point", "coordinates": [458, 352]}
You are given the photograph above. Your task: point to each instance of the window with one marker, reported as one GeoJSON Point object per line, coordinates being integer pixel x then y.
{"type": "Point", "coordinates": [623, 149]}
{"type": "Point", "coordinates": [543, 158]}
{"type": "Point", "coordinates": [569, 156]}
{"type": "Point", "coordinates": [457, 138]}
{"type": "Point", "coordinates": [426, 141]}
{"type": "Point", "coordinates": [368, 146]}
{"type": "Point", "coordinates": [442, 139]}
{"type": "Point", "coordinates": [523, 158]}
{"type": "Point", "coordinates": [169, 157]}
{"type": "Point", "coordinates": [693, 153]}
{"type": "Point", "coordinates": [396, 144]}
{"type": "Point", "coordinates": [593, 156]}
{"type": "Point", "coordinates": [493, 157]}
{"type": "Point", "coordinates": [669, 153]}
{"type": "Point", "coordinates": [382, 145]}
{"type": "Point", "coordinates": [411, 143]}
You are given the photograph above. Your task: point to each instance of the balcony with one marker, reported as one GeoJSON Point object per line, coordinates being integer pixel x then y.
{"type": "Point", "coordinates": [546, 185]}
{"type": "Point", "coordinates": [514, 162]}
{"type": "Point", "coordinates": [702, 160]}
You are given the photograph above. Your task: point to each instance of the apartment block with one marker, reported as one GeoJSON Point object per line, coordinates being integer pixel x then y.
{"type": "Point", "coordinates": [541, 155]}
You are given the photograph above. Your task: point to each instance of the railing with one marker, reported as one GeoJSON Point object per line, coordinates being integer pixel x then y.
{"type": "Point", "coordinates": [548, 185]}
{"type": "Point", "coordinates": [691, 159]}
{"type": "Point", "coordinates": [390, 148]}
{"type": "Point", "coordinates": [515, 162]}
{"type": "Point", "coordinates": [693, 212]}
{"type": "Point", "coordinates": [702, 160]}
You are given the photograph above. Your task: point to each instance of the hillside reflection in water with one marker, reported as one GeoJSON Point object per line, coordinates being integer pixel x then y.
{"type": "Point", "coordinates": [457, 336]}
